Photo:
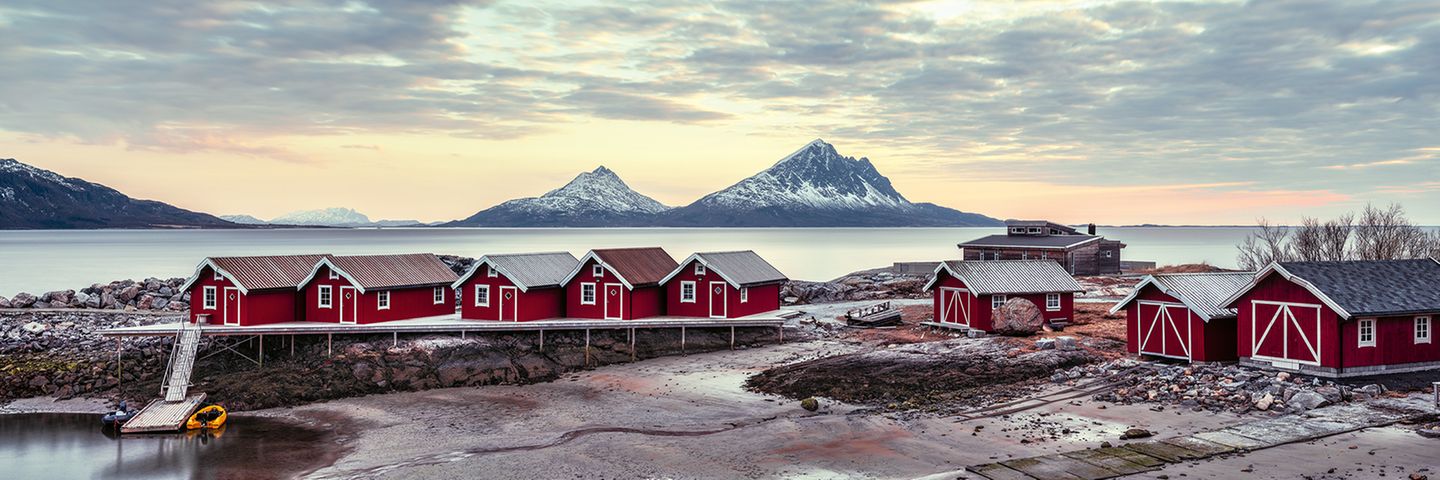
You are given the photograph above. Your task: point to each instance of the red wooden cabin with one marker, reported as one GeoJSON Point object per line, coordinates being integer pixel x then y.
{"type": "Point", "coordinates": [966, 292]}
{"type": "Point", "coordinates": [618, 284]}
{"type": "Point", "coordinates": [1341, 319]}
{"type": "Point", "coordinates": [1181, 315]}
{"type": "Point", "coordinates": [248, 291]}
{"type": "Point", "coordinates": [377, 288]}
{"type": "Point", "coordinates": [516, 287]}
{"type": "Point", "coordinates": [723, 285]}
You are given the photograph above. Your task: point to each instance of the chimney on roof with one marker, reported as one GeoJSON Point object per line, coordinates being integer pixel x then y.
{"type": "Point", "coordinates": [1090, 229]}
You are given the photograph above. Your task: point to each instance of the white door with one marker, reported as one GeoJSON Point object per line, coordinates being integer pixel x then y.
{"type": "Point", "coordinates": [954, 305]}
{"type": "Point", "coordinates": [349, 301]}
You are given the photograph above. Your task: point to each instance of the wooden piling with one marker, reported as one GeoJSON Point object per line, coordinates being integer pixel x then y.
{"type": "Point", "coordinates": [682, 340]}
{"type": "Point", "coordinates": [261, 355]}
{"type": "Point", "coordinates": [732, 337]}
{"type": "Point", "coordinates": [329, 347]}
{"type": "Point", "coordinates": [587, 347]}
{"type": "Point", "coordinates": [632, 345]}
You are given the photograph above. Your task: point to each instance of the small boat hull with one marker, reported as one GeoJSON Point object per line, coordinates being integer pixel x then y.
{"type": "Point", "coordinates": [212, 416]}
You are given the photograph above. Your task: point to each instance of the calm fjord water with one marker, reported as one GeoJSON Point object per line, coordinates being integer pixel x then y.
{"type": "Point", "coordinates": [44, 260]}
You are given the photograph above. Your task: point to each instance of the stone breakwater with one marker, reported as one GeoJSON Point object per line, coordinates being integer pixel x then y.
{"type": "Point", "coordinates": [1217, 388]}
{"type": "Point", "coordinates": [59, 354]}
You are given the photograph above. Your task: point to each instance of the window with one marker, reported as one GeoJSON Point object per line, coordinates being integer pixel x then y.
{"type": "Point", "coordinates": [439, 295]}
{"type": "Point", "coordinates": [482, 295]}
{"type": "Point", "coordinates": [1109, 253]}
{"type": "Point", "coordinates": [687, 292]}
{"type": "Point", "coordinates": [1052, 301]}
{"type": "Point", "coordinates": [997, 301]}
{"type": "Point", "coordinates": [490, 272]}
{"type": "Point", "coordinates": [209, 298]}
{"type": "Point", "coordinates": [744, 294]}
{"type": "Point", "coordinates": [1024, 255]}
{"type": "Point", "coordinates": [215, 275]}
{"type": "Point", "coordinates": [699, 268]}
{"type": "Point", "coordinates": [1367, 332]}
{"type": "Point", "coordinates": [587, 294]}
{"type": "Point", "coordinates": [1017, 230]}
{"type": "Point", "coordinates": [1054, 232]}
{"type": "Point", "coordinates": [383, 300]}
{"type": "Point", "coordinates": [325, 300]}
{"type": "Point", "coordinates": [334, 275]}
{"type": "Point", "coordinates": [1422, 329]}
{"type": "Point", "coordinates": [1034, 230]}
{"type": "Point", "coordinates": [597, 270]}
{"type": "Point", "coordinates": [995, 255]}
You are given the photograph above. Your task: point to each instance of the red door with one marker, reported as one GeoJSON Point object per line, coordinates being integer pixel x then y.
{"type": "Point", "coordinates": [614, 301]}
{"type": "Point", "coordinates": [717, 300]}
{"type": "Point", "coordinates": [349, 301]}
{"type": "Point", "coordinates": [1285, 332]}
{"type": "Point", "coordinates": [232, 306]}
{"type": "Point", "coordinates": [509, 304]}
{"type": "Point", "coordinates": [1164, 329]}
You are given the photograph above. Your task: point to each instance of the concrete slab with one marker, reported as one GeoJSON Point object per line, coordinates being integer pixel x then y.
{"type": "Point", "coordinates": [1165, 451]}
{"type": "Point", "coordinates": [1284, 430]}
{"type": "Point", "coordinates": [1204, 447]}
{"type": "Point", "coordinates": [1230, 440]}
{"type": "Point", "coordinates": [1132, 456]}
{"type": "Point", "coordinates": [995, 471]}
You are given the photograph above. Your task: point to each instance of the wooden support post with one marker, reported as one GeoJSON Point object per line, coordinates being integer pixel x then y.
{"type": "Point", "coordinates": [292, 344]}
{"type": "Point", "coordinates": [262, 350]}
{"type": "Point", "coordinates": [682, 340]}
{"type": "Point", "coordinates": [119, 367]}
{"type": "Point", "coordinates": [732, 337]}
{"type": "Point", "coordinates": [329, 347]}
{"type": "Point", "coordinates": [632, 344]}
{"type": "Point", "coordinates": [542, 340]}
{"type": "Point", "coordinates": [462, 334]}
{"type": "Point", "coordinates": [782, 334]}
{"type": "Point", "coordinates": [587, 347]}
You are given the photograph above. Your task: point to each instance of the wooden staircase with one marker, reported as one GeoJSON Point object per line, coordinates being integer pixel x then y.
{"type": "Point", "coordinates": [171, 412]}
{"type": "Point", "coordinates": [182, 363]}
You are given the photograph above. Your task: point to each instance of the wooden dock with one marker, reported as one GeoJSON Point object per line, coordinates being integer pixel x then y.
{"type": "Point", "coordinates": [163, 416]}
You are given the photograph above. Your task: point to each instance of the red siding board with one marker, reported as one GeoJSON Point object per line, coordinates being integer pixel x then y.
{"type": "Point", "coordinates": [629, 304]}
{"type": "Point", "coordinates": [761, 298]}
{"type": "Point", "coordinates": [405, 303]}
{"type": "Point", "coordinates": [1212, 341]}
{"type": "Point", "coordinates": [536, 304]}
{"type": "Point", "coordinates": [259, 307]}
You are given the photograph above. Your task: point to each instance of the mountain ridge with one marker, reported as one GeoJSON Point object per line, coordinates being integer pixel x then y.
{"type": "Point", "coordinates": [36, 198]}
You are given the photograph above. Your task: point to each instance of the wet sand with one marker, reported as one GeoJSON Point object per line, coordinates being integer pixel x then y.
{"type": "Point", "coordinates": [688, 417]}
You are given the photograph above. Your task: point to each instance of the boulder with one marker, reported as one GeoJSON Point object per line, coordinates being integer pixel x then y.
{"type": "Point", "coordinates": [4, 302]}
{"type": "Point", "coordinates": [34, 327]}
{"type": "Point", "coordinates": [128, 294]}
{"type": "Point", "coordinates": [1066, 343]}
{"type": "Point", "coordinates": [810, 404]}
{"type": "Point", "coordinates": [1045, 343]}
{"type": "Point", "coordinates": [1307, 400]}
{"type": "Point", "coordinates": [23, 300]}
{"type": "Point", "coordinates": [1264, 402]}
{"type": "Point", "coordinates": [1135, 433]}
{"type": "Point", "coordinates": [1018, 316]}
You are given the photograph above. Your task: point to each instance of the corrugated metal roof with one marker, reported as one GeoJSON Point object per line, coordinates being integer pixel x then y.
{"type": "Point", "coordinates": [1011, 276]}
{"type": "Point", "coordinates": [394, 271]}
{"type": "Point", "coordinates": [1204, 292]}
{"type": "Point", "coordinates": [1023, 241]}
{"type": "Point", "coordinates": [1375, 287]}
{"type": "Point", "coordinates": [529, 270]}
{"type": "Point", "coordinates": [267, 272]}
{"type": "Point", "coordinates": [745, 268]}
{"type": "Point", "coordinates": [639, 266]}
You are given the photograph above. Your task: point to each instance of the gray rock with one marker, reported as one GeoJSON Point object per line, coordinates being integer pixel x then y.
{"type": "Point", "coordinates": [23, 300]}
{"type": "Point", "coordinates": [4, 302]}
{"type": "Point", "coordinates": [1045, 343]}
{"type": "Point", "coordinates": [1264, 402]}
{"type": "Point", "coordinates": [1065, 343]}
{"type": "Point", "coordinates": [1307, 400]}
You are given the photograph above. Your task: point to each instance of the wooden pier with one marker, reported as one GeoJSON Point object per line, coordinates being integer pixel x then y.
{"type": "Point", "coordinates": [164, 416]}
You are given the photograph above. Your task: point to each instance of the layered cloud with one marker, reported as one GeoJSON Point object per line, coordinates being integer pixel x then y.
{"type": "Point", "coordinates": [1337, 98]}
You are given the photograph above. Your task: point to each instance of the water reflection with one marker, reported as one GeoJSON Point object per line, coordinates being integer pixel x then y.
{"type": "Point", "coordinates": [76, 446]}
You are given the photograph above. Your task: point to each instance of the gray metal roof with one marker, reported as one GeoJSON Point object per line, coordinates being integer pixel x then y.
{"type": "Point", "coordinates": [1009, 276]}
{"type": "Point", "coordinates": [743, 268]}
{"type": "Point", "coordinates": [1375, 287]}
{"type": "Point", "coordinates": [528, 270]}
{"type": "Point", "coordinates": [1025, 241]}
{"type": "Point", "coordinates": [1205, 293]}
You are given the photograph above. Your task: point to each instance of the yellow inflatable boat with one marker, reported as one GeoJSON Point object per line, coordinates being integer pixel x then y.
{"type": "Point", "coordinates": [212, 416]}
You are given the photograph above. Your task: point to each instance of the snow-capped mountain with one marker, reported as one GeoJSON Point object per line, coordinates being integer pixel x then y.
{"type": "Point", "coordinates": [597, 198]}
{"type": "Point", "coordinates": [33, 197]}
{"type": "Point", "coordinates": [817, 187]}
{"type": "Point", "coordinates": [243, 219]}
{"type": "Point", "coordinates": [325, 217]}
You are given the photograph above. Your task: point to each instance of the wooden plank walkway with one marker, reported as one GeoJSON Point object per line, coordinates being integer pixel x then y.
{"type": "Point", "coordinates": [163, 416]}
{"type": "Point", "coordinates": [1139, 457]}
{"type": "Point", "coordinates": [947, 325]}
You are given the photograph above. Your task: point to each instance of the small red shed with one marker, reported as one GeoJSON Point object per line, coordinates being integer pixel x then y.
{"type": "Point", "coordinates": [515, 287]}
{"type": "Point", "coordinates": [618, 284]}
{"type": "Point", "coordinates": [248, 291]}
{"type": "Point", "coordinates": [377, 288]}
{"type": "Point", "coordinates": [1341, 319]}
{"type": "Point", "coordinates": [723, 285]}
{"type": "Point", "coordinates": [1180, 315]}
{"type": "Point", "coordinates": [966, 292]}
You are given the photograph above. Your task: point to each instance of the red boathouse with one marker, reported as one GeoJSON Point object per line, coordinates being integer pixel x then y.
{"type": "Point", "coordinates": [1341, 319]}
{"type": "Point", "coordinates": [1181, 316]}
{"type": "Point", "coordinates": [248, 290]}
{"type": "Point", "coordinates": [618, 284]}
{"type": "Point", "coordinates": [377, 288]}
{"type": "Point", "coordinates": [515, 287]}
{"type": "Point", "coordinates": [723, 285]}
{"type": "Point", "coordinates": [966, 292]}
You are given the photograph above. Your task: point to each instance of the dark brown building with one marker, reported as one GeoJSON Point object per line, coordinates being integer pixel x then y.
{"type": "Point", "coordinates": [1079, 253]}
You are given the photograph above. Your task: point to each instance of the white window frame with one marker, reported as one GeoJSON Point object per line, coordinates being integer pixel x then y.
{"type": "Point", "coordinates": [1056, 306]}
{"type": "Point", "coordinates": [324, 298]}
{"type": "Point", "coordinates": [1033, 230]}
{"type": "Point", "coordinates": [699, 268]}
{"type": "Point", "coordinates": [491, 272]}
{"type": "Point", "coordinates": [1427, 330]}
{"type": "Point", "coordinates": [216, 276]}
{"type": "Point", "coordinates": [998, 300]}
{"type": "Point", "coordinates": [744, 294]}
{"type": "Point", "coordinates": [482, 300]}
{"type": "Point", "coordinates": [588, 288]}
{"type": "Point", "coordinates": [208, 297]}
{"type": "Point", "coordinates": [382, 300]}
{"type": "Point", "coordinates": [1365, 328]}
{"type": "Point", "coordinates": [1017, 229]}
{"type": "Point", "coordinates": [1109, 254]}
{"type": "Point", "coordinates": [597, 270]}
{"type": "Point", "coordinates": [333, 274]}
{"type": "Point", "coordinates": [691, 297]}
{"type": "Point", "coordinates": [439, 295]}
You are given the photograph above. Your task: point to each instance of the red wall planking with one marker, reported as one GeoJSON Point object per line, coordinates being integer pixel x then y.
{"type": "Point", "coordinates": [536, 304]}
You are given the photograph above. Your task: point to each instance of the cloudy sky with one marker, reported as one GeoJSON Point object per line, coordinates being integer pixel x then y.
{"type": "Point", "coordinates": [1114, 112]}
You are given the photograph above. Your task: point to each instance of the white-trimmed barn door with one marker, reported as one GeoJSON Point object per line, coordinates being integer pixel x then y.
{"type": "Point", "coordinates": [1285, 333]}
{"type": "Point", "coordinates": [954, 307]}
{"type": "Point", "coordinates": [1163, 329]}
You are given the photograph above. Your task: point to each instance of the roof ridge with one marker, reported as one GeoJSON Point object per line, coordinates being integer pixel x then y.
{"type": "Point", "coordinates": [526, 254]}
{"type": "Point", "coordinates": [1176, 274]}
{"type": "Point", "coordinates": [725, 251]}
